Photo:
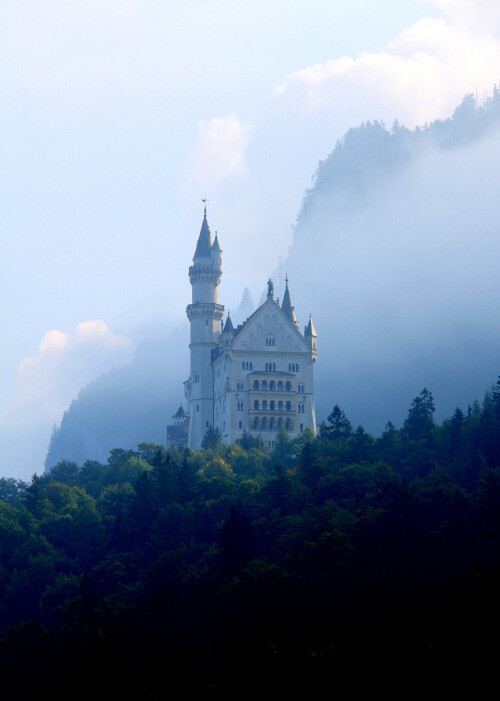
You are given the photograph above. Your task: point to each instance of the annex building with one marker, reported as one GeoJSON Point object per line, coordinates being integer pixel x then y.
{"type": "Point", "coordinates": [257, 377]}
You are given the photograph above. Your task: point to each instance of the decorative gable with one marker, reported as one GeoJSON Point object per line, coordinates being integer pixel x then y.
{"type": "Point", "coordinates": [269, 329]}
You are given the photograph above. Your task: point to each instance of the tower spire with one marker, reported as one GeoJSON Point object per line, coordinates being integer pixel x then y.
{"type": "Point", "coordinates": [287, 306]}
{"type": "Point", "coordinates": [204, 243]}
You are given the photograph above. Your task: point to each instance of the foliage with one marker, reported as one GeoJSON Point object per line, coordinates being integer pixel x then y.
{"type": "Point", "coordinates": [237, 568]}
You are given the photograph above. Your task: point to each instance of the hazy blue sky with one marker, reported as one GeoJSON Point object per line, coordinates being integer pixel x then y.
{"type": "Point", "coordinates": [117, 116]}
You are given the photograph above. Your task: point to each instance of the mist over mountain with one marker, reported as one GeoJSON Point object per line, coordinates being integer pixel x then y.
{"type": "Point", "coordinates": [395, 255]}
{"type": "Point", "coordinates": [128, 404]}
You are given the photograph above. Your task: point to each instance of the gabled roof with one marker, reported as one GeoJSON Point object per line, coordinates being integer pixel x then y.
{"type": "Point", "coordinates": [269, 302]}
{"type": "Point", "coordinates": [204, 245]}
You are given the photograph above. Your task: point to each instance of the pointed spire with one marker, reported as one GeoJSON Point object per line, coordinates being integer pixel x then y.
{"type": "Point", "coordinates": [180, 413]}
{"type": "Point", "coordinates": [204, 239]}
{"type": "Point", "coordinates": [216, 246]}
{"type": "Point", "coordinates": [309, 330]}
{"type": "Point", "coordinates": [287, 306]}
{"type": "Point", "coordinates": [228, 327]}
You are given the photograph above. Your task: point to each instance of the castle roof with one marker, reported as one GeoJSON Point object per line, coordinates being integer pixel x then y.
{"type": "Point", "coordinates": [228, 327]}
{"type": "Point", "coordinates": [287, 307]}
{"type": "Point", "coordinates": [215, 245]}
{"type": "Point", "coordinates": [309, 329]}
{"type": "Point", "coordinates": [204, 245]}
{"type": "Point", "coordinates": [180, 413]}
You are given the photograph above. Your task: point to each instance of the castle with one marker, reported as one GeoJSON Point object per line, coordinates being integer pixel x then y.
{"type": "Point", "coordinates": [256, 377]}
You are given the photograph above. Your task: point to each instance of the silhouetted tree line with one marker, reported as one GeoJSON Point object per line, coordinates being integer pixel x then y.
{"type": "Point", "coordinates": [341, 559]}
{"type": "Point", "coordinates": [371, 152]}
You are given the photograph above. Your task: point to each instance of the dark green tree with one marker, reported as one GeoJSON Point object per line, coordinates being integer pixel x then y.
{"type": "Point", "coordinates": [212, 438]}
{"type": "Point", "coordinates": [339, 427]}
{"type": "Point", "coordinates": [419, 424]}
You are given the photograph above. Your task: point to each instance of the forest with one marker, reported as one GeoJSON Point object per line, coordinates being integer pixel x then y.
{"type": "Point", "coordinates": [335, 559]}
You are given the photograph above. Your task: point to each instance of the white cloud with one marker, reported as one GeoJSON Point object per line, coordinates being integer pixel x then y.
{"type": "Point", "coordinates": [419, 76]}
{"type": "Point", "coordinates": [219, 151]}
{"type": "Point", "coordinates": [48, 381]}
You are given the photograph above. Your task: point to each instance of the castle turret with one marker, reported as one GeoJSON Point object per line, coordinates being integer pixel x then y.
{"type": "Point", "coordinates": [205, 314]}
{"type": "Point", "coordinates": [287, 306]}
{"type": "Point", "coordinates": [311, 337]}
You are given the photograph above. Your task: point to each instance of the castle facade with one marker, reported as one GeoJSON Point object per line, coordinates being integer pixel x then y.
{"type": "Point", "coordinates": [257, 377]}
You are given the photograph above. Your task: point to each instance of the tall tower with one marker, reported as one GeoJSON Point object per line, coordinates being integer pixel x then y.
{"type": "Point", "coordinates": [204, 314]}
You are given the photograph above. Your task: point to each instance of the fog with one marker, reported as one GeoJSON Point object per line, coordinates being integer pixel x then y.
{"type": "Point", "coordinates": [403, 286]}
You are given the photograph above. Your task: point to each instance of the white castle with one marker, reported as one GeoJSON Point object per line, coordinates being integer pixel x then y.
{"type": "Point", "coordinates": [257, 377]}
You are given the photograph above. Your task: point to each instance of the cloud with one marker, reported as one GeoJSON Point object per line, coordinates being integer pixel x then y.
{"type": "Point", "coordinates": [219, 151]}
{"type": "Point", "coordinates": [65, 362]}
{"type": "Point", "coordinates": [48, 382]}
{"type": "Point", "coordinates": [419, 76]}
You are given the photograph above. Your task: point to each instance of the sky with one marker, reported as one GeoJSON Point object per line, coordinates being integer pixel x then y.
{"type": "Point", "coordinates": [118, 116]}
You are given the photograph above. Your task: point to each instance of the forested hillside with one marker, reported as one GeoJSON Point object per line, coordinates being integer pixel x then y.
{"type": "Point", "coordinates": [234, 572]}
{"type": "Point", "coordinates": [393, 253]}
{"type": "Point", "coordinates": [371, 152]}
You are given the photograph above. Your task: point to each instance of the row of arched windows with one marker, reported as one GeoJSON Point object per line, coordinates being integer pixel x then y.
{"type": "Point", "coordinates": [270, 367]}
{"type": "Point", "coordinates": [273, 386]}
{"type": "Point", "coordinates": [301, 408]}
{"type": "Point", "coordinates": [270, 341]}
{"type": "Point", "coordinates": [280, 406]}
{"type": "Point", "coordinates": [245, 365]}
{"type": "Point", "coordinates": [270, 425]}
{"type": "Point", "coordinates": [300, 389]}
{"type": "Point", "coordinates": [293, 367]}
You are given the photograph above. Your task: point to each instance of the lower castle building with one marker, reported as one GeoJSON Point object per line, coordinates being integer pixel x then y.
{"type": "Point", "coordinates": [257, 377]}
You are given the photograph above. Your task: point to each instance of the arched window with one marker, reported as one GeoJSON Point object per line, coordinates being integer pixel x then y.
{"type": "Point", "coordinates": [288, 424]}
{"type": "Point", "coordinates": [280, 422]}
{"type": "Point", "coordinates": [264, 384]}
{"type": "Point", "coordinates": [256, 423]}
{"type": "Point", "coordinates": [271, 423]}
{"type": "Point", "coordinates": [272, 385]}
{"type": "Point", "coordinates": [256, 404]}
{"type": "Point", "coordinates": [289, 367]}
{"type": "Point", "coordinates": [280, 405]}
{"type": "Point", "coordinates": [301, 427]}
{"type": "Point", "coordinates": [267, 367]}
{"type": "Point", "coordinates": [264, 404]}
{"type": "Point", "coordinates": [197, 407]}
{"type": "Point", "coordinates": [289, 406]}
{"type": "Point", "coordinates": [280, 386]}
{"type": "Point", "coordinates": [243, 365]}
{"type": "Point", "coordinates": [288, 387]}
{"type": "Point", "coordinates": [264, 423]}
{"type": "Point", "coordinates": [271, 405]}
{"type": "Point", "coordinates": [256, 384]}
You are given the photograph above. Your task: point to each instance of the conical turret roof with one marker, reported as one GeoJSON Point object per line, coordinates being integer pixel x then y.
{"type": "Point", "coordinates": [287, 306]}
{"type": "Point", "coordinates": [310, 330]}
{"type": "Point", "coordinates": [180, 413]}
{"type": "Point", "coordinates": [228, 326]}
{"type": "Point", "coordinates": [204, 245]}
{"type": "Point", "coordinates": [215, 245]}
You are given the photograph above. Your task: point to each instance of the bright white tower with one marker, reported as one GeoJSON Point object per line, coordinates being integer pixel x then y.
{"type": "Point", "coordinates": [204, 314]}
